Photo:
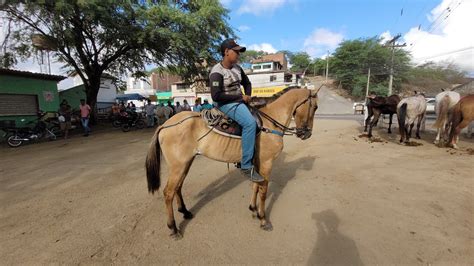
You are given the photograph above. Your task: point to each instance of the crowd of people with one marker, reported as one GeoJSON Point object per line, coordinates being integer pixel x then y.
{"type": "Point", "coordinates": [158, 114]}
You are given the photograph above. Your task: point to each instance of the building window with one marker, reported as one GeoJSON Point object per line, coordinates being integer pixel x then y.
{"type": "Point", "coordinates": [273, 78]}
{"type": "Point", "coordinates": [267, 66]}
{"type": "Point", "coordinates": [257, 67]}
{"type": "Point", "coordinates": [182, 86]}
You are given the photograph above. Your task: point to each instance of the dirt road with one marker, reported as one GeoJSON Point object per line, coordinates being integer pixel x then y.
{"type": "Point", "coordinates": [334, 199]}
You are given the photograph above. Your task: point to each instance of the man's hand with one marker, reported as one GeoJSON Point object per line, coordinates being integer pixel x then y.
{"type": "Point", "coordinates": [246, 98]}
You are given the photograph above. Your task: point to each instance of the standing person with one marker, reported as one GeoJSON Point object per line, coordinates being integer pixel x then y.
{"type": "Point", "coordinates": [225, 79]}
{"type": "Point", "coordinates": [178, 108]}
{"type": "Point", "coordinates": [171, 107]}
{"type": "Point", "coordinates": [65, 114]}
{"type": "Point", "coordinates": [206, 105]}
{"type": "Point", "coordinates": [197, 105]}
{"type": "Point", "coordinates": [185, 106]}
{"type": "Point", "coordinates": [168, 111]}
{"type": "Point", "coordinates": [150, 113]}
{"type": "Point", "coordinates": [160, 114]}
{"type": "Point", "coordinates": [85, 116]}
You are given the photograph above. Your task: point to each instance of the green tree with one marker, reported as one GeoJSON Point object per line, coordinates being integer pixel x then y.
{"type": "Point", "coordinates": [300, 61]}
{"type": "Point", "coordinates": [117, 36]}
{"type": "Point", "coordinates": [353, 58]}
{"type": "Point", "coordinates": [249, 55]}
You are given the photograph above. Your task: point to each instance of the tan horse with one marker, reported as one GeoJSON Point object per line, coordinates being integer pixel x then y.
{"type": "Point", "coordinates": [186, 135]}
{"type": "Point", "coordinates": [462, 115]}
{"type": "Point", "coordinates": [445, 101]}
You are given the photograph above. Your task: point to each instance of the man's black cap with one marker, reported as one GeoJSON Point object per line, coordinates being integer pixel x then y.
{"type": "Point", "coordinates": [231, 44]}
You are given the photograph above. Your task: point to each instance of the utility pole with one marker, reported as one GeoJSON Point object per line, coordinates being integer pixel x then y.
{"type": "Point", "coordinates": [327, 67]}
{"type": "Point", "coordinates": [368, 83]}
{"type": "Point", "coordinates": [393, 45]}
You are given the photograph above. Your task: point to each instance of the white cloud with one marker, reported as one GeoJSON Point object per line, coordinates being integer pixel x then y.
{"type": "Point", "coordinates": [243, 28]}
{"type": "Point", "coordinates": [266, 47]}
{"type": "Point", "coordinates": [260, 7]}
{"type": "Point", "coordinates": [321, 40]}
{"type": "Point", "coordinates": [385, 37]}
{"type": "Point", "coordinates": [446, 39]}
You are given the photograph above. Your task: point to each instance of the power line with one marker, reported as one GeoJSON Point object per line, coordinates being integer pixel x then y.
{"type": "Point", "coordinates": [447, 53]}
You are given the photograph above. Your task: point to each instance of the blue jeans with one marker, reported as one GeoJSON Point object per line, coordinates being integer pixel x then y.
{"type": "Point", "coordinates": [151, 120]}
{"type": "Point", "coordinates": [85, 125]}
{"type": "Point", "coordinates": [240, 113]}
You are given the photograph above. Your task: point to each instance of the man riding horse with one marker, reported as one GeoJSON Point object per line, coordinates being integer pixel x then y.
{"type": "Point", "coordinates": [225, 80]}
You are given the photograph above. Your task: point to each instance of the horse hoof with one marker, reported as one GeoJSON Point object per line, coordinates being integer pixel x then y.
{"type": "Point", "coordinates": [418, 137]}
{"type": "Point", "coordinates": [188, 215]}
{"type": "Point", "coordinates": [267, 227]}
{"type": "Point", "coordinates": [176, 236]}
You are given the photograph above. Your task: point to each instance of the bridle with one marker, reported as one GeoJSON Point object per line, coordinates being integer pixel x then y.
{"type": "Point", "coordinates": [294, 130]}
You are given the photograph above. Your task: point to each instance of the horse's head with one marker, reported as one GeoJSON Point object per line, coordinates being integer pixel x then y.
{"type": "Point", "coordinates": [304, 114]}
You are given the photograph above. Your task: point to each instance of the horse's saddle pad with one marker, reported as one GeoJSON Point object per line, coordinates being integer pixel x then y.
{"type": "Point", "coordinates": [224, 125]}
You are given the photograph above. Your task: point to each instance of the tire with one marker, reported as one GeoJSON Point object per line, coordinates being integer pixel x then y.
{"type": "Point", "coordinates": [125, 127]}
{"type": "Point", "coordinates": [140, 124]}
{"type": "Point", "coordinates": [116, 123]}
{"type": "Point", "coordinates": [56, 131]}
{"type": "Point", "coordinates": [14, 143]}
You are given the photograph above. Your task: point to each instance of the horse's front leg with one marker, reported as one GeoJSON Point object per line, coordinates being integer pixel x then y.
{"type": "Point", "coordinates": [390, 124]}
{"type": "Point", "coordinates": [263, 189]}
{"type": "Point", "coordinates": [253, 200]}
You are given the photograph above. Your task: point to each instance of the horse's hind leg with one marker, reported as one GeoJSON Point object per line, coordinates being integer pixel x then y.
{"type": "Point", "coordinates": [421, 119]}
{"type": "Point", "coordinates": [457, 131]}
{"type": "Point", "coordinates": [177, 173]}
{"type": "Point", "coordinates": [390, 124]}
{"type": "Point", "coordinates": [181, 206]}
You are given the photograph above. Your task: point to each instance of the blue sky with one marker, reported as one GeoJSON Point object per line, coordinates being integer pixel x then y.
{"type": "Point", "coordinates": [316, 26]}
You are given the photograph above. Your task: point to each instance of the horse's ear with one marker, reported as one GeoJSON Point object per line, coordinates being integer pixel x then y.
{"type": "Point", "coordinates": [416, 92]}
{"type": "Point", "coordinates": [442, 89]}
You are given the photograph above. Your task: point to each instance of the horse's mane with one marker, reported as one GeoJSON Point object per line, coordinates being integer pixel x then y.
{"type": "Point", "coordinates": [260, 102]}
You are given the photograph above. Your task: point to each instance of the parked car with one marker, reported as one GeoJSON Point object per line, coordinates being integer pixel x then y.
{"type": "Point", "coordinates": [430, 105]}
{"type": "Point", "coordinates": [359, 107]}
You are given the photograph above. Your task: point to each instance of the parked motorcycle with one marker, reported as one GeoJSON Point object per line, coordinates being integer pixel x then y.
{"type": "Point", "coordinates": [18, 135]}
{"type": "Point", "coordinates": [132, 120]}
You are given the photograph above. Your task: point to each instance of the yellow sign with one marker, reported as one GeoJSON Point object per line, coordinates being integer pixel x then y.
{"type": "Point", "coordinates": [267, 91]}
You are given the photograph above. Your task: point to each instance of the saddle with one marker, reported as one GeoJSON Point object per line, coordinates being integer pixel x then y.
{"type": "Point", "coordinates": [224, 125]}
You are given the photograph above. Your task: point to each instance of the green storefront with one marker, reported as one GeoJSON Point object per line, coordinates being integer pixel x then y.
{"type": "Point", "coordinates": [163, 97]}
{"type": "Point", "coordinates": [23, 94]}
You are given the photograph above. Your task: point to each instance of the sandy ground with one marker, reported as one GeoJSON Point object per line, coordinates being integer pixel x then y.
{"type": "Point", "coordinates": [335, 199]}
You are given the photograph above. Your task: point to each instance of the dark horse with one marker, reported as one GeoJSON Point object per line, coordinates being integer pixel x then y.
{"type": "Point", "coordinates": [381, 105]}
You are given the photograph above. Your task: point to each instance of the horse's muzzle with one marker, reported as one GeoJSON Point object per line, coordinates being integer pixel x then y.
{"type": "Point", "coordinates": [303, 133]}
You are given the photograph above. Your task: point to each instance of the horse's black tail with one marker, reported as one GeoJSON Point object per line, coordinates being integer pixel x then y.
{"type": "Point", "coordinates": [152, 164]}
{"type": "Point", "coordinates": [401, 115]}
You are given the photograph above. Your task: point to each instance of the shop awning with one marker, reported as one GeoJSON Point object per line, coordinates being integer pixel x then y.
{"type": "Point", "coordinates": [130, 96]}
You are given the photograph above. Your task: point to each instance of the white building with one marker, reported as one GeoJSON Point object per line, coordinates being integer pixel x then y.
{"type": "Point", "coordinates": [107, 91]}
{"type": "Point", "coordinates": [141, 86]}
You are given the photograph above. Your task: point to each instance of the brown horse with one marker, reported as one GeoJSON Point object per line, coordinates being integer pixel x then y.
{"type": "Point", "coordinates": [381, 105]}
{"type": "Point", "coordinates": [186, 135]}
{"type": "Point", "coordinates": [462, 115]}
